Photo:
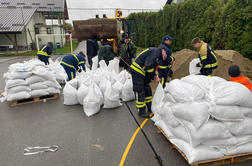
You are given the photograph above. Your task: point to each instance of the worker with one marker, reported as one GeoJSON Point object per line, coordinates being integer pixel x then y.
{"type": "Point", "coordinates": [92, 49]}
{"type": "Point", "coordinates": [142, 71]}
{"type": "Point", "coordinates": [45, 52]}
{"type": "Point", "coordinates": [106, 51]}
{"type": "Point", "coordinates": [235, 74]}
{"type": "Point", "coordinates": [73, 62]}
{"type": "Point", "coordinates": [128, 52]}
{"type": "Point", "coordinates": [164, 70]}
{"type": "Point", "coordinates": [208, 59]}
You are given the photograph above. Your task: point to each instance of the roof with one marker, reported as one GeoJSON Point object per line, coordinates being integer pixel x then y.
{"type": "Point", "coordinates": [12, 20]}
{"type": "Point", "coordinates": [40, 5]}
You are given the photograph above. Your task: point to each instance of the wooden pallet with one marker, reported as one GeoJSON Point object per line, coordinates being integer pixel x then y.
{"type": "Point", "coordinates": [215, 162]}
{"type": "Point", "coordinates": [34, 99]}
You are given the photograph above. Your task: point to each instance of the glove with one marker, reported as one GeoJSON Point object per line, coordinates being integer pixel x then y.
{"type": "Point", "coordinates": [79, 70]}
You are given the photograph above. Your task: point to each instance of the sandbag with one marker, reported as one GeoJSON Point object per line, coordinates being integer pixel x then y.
{"type": "Point", "coordinates": [70, 94]}
{"type": "Point", "coordinates": [38, 92]}
{"type": "Point", "coordinates": [33, 79]}
{"type": "Point", "coordinates": [52, 90]}
{"type": "Point", "coordinates": [19, 95]}
{"type": "Point", "coordinates": [127, 91]}
{"type": "Point", "coordinates": [91, 103]}
{"type": "Point", "coordinates": [247, 111]}
{"type": "Point", "coordinates": [20, 88]}
{"type": "Point", "coordinates": [95, 63]}
{"type": "Point", "coordinates": [54, 84]}
{"type": "Point", "coordinates": [166, 114]}
{"type": "Point", "coordinates": [244, 148]}
{"type": "Point", "coordinates": [15, 82]}
{"type": "Point", "coordinates": [111, 97]}
{"type": "Point", "coordinates": [158, 97]}
{"type": "Point", "coordinates": [38, 85]}
{"type": "Point", "coordinates": [193, 69]}
{"type": "Point", "coordinates": [240, 128]}
{"type": "Point", "coordinates": [17, 75]}
{"type": "Point", "coordinates": [82, 93]}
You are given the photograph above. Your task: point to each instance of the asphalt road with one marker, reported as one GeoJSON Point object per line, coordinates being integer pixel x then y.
{"type": "Point", "coordinates": [99, 140]}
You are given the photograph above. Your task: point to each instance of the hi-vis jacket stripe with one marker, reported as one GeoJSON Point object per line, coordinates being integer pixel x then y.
{"type": "Point", "coordinates": [204, 58]}
{"type": "Point", "coordinates": [164, 67]}
{"type": "Point", "coordinates": [41, 52]}
{"type": "Point", "coordinates": [78, 62]}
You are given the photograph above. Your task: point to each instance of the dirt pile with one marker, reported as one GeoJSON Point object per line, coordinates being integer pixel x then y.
{"type": "Point", "coordinates": [226, 58]}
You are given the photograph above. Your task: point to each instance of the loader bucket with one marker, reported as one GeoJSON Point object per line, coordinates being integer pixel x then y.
{"type": "Point", "coordinates": [85, 29]}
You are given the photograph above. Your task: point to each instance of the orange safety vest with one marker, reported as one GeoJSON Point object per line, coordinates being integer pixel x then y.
{"type": "Point", "coordinates": [242, 80]}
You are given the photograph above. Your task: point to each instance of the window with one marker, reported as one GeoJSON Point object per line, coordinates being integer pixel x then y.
{"type": "Point", "coordinates": [36, 30]}
{"type": "Point", "coordinates": [48, 30]}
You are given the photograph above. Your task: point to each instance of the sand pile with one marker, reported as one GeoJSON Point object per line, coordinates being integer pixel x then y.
{"type": "Point", "coordinates": [226, 58]}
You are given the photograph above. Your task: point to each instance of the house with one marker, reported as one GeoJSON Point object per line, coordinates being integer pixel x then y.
{"type": "Point", "coordinates": [174, 1]}
{"type": "Point", "coordinates": [21, 20]}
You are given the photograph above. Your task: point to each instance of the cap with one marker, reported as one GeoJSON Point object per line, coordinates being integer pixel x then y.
{"type": "Point", "coordinates": [168, 51]}
{"type": "Point", "coordinates": [126, 37]}
{"type": "Point", "coordinates": [234, 71]}
{"type": "Point", "coordinates": [167, 37]}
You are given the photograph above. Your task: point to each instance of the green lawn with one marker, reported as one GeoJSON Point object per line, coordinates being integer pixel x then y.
{"type": "Point", "coordinates": [64, 50]}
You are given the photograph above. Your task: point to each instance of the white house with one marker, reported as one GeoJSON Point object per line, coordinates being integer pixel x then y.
{"type": "Point", "coordinates": [21, 20]}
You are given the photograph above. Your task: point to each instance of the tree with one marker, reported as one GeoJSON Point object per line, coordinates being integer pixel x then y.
{"type": "Point", "coordinates": [68, 26]}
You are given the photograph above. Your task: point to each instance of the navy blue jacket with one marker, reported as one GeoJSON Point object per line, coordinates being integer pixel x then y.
{"type": "Point", "coordinates": [74, 61]}
{"type": "Point", "coordinates": [146, 61]}
{"type": "Point", "coordinates": [45, 50]}
{"type": "Point", "coordinates": [163, 64]}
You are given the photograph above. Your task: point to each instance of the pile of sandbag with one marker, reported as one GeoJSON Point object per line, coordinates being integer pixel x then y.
{"type": "Point", "coordinates": [29, 79]}
{"type": "Point", "coordinates": [205, 117]}
{"type": "Point", "coordinates": [102, 87]}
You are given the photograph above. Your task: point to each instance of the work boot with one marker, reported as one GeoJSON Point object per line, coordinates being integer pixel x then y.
{"type": "Point", "coordinates": [143, 114]}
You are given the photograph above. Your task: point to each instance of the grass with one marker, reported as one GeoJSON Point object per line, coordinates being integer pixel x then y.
{"type": "Point", "coordinates": [140, 49]}
{"type": "Point", "coordinates": [64, 50]}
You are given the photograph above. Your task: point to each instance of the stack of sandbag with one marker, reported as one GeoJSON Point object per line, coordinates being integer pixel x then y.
{"type": "Point", "coordinates": [205, 117]}
{"type": "Point", "coordinates": [103, 87]}
{"type": "Point", "coordinates": [58, 70]}
{"type": "Point", "coordinates": [29, 79]}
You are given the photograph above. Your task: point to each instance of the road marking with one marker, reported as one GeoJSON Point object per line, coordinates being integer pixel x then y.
{"type": "Point", "coordinates": [131, 141]}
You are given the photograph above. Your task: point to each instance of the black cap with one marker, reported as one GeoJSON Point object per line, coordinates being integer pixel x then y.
{"type": "Point", "coordinates": [234, 71]}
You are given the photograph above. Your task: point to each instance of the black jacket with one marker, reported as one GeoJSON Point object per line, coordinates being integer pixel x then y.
{"type": "Point", "coordinates": [163, 64]}
{"type": "Point", "coordinates": [146, 62]}
{"type": "Point", "coordinates": [92, 47]}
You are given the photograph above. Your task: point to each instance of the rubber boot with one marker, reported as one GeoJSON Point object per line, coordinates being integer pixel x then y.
{"type": "Point", "coordinates": [149, 107]}
{"type": "Point", "coordinates": [143, 114]}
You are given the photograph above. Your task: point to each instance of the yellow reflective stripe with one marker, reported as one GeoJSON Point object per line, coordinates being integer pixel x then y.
{"type": "Point", "coordinates": [140, 104]}
{"type": "Point", "coordinates": [203, 57]}
{"type": "Point", "coordinates": [142, 52]}
{"type": "Point", "coordinates": [151, 70]}
{"type": "Point", "coordinates": [136, 69]}
{"type": "Point", "coordinates": [162, 81]}
{"type": "Point", "coordinates": [76, 58]}
{"type": "Point", "coordinates": [211, 65]}
{"type": "Point", "coordinates": [209, 76]}
{"type": "Point", "coordinates": [67, 64]}
{"type": "Point", "coordinates": [163, 67]}
{"type": "Point", "coordinates": [172, 58]}
{"type": "Point", "coordinates": [148, 99]}
{"type": "Point", "coordinates": [41, 52]}
{"type": "Point", "coordinates": [72, 77]}
{"type": "Point", "coordinates": [139, 67]}
{"type": "Point", "coordinates": [81, 62]}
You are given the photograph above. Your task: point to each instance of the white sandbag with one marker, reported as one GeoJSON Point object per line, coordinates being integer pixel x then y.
{"type": "Point", "coordinates": [19, 95]}
{"type": "Point", "coordinates": [184, 92]}
{"type": "Point", "coordinates": [202, 81]}
{"type": "Point", "coordinates": [168, 98]}
{"type": "Point", "coordinates": [127, 91]}
{"type": "Point", "coordinates": [82, 93]}
{"type": "Point", "coordinates": [20, 88]}
{"type": "Point", "coordinates": [103, 64]}
{"type": "Point", "coordinates": [33, 79]}
{"type": "Point", "coordinates": [70, 94]}
{"type": "Point", "coordinates": [193, 69]}
{"type": "Point", "coordinates": [45, 73]}
{"type": "Point", "coordinates": [38, 85]}
{"type": "Point", "coordinates": [99, 93]}
{"type": "Point", "coordinates": [15, 82]}
{"type": "Point", "coordinates": [121, 77]}
{"type": "Point", "coordinates": [95, 63]}
{"type": "Point", "coordinates": [180, 132]}
{"type": "Point", "coordinates": [96, 77]}
{"type": "Point", "coordinates": [158, 97]}
{"type": "Point", "coordinates": [226, 113]}
{"type": "Point", "coordinates": [118, 87]}
{"type": "Point", "coordinates": [74, 83]}
{"type": "Point", "coordinates": [17, 75]}
{"type": "Point", "coordinates": [240, 128]}
{"type": "Point", "coordinates": [194, 112]}
{"type": "Point", "coordinates": [38, 92]}
{"type": "Point", "coordinates": [20, 67]}
{"type": "Point", "coordinates": [166, 113]}
{"type": "Point", "coordinates": [91, 104]}
{"type": "Point", "coordinates": [230, 142]}
{"type": "Point", "coordinates": [247, 111]}
{"type": "Point", "coordinates": [54, 84]}
{"type": "Point", "coordinates": [229, 93]}
{"type": "Point", "coordinates": [52, 90]}
{"type": "Point", "coordinates": [103, 84]}
{"type": "Point", "coordinates": [213, 129]}
{"type": "Point", "coordinates": [111, 97]}
{"type": "Point", "coordinates": [244, 148]}
{"type": "Point", "coordinates": [160, 123]}
{"type": "Point", "coordinates": [199, 153]}
{"type": "Point", "coordinates": [114, 65]}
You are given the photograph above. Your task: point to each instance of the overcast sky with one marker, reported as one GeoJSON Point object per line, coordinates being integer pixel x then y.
{"type": "Point", "coordinates": [126, 6]}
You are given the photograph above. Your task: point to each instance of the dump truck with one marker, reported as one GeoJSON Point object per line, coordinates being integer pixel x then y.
{"type": "Point", "coordinates": [114, 28]}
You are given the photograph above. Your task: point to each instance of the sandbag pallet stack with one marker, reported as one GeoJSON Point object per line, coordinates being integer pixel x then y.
{"type": "Point", "coordinates": [206, 118]}
{"type": "Point", "coordinates": [101, 87]}
{"type": "Point", "coordinates": [30, 82]}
